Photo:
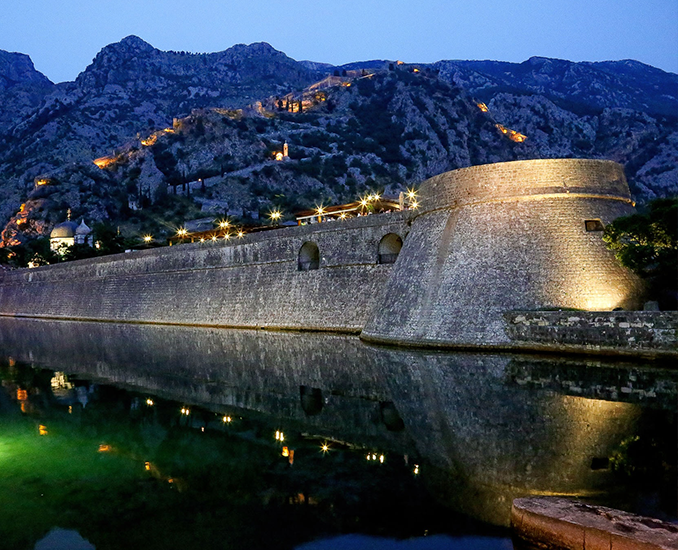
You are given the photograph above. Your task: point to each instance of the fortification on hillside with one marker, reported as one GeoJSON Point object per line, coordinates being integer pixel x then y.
{"type": "Point", "coordinates": [488, 241]}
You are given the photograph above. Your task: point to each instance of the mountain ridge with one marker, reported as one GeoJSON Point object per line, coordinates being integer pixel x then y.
{"type": "Point", "coordinates": [412, 121]}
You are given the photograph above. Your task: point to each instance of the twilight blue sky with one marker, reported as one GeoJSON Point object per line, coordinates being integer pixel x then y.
{"type": "Point", "coordinates": [62, 36]}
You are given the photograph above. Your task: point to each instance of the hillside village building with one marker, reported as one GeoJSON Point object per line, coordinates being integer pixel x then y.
{"type": "Point", "coordinates": [69, 233]}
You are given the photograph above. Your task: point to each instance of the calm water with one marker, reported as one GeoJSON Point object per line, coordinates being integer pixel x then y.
{"type": "Point", "coordinates": [124, 436]}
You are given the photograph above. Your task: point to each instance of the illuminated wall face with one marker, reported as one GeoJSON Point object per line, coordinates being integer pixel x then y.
{"type": "Point", "coordinates": [504, 237]}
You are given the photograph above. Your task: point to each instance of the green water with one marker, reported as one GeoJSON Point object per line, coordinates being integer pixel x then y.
{"type": "Point", "coordinates": [159, 437]}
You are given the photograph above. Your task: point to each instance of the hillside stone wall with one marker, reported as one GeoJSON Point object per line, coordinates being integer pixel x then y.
{"type": "Point", "coordinates": [253, 282]}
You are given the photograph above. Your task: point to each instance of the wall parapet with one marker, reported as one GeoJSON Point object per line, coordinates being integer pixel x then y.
{"type": "Point", "coordinates": [653, 333]}
{"type": "Point", "coordinates": [525, 180]}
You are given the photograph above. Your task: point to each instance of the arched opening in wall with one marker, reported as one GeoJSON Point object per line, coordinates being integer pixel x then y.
{"type": "Point", "coordinates": [309, 257]}
{"type": "Point", "coordinates": [389, 248]}
{"type": "Point", "coordinates": [311, 400]}
{"type": "Point", "coordinates": [391, 417]}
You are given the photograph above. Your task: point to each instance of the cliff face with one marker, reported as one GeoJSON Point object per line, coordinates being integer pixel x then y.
{"type": "Point", "coordinates": [22, 88]}
{"type": "Point", "coordinates": [388, 131]}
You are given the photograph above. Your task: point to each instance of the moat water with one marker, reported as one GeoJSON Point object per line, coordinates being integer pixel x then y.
{"type": "Point", "coordinates": [127, 436]}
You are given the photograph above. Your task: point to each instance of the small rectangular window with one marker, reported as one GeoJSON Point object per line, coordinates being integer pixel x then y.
{"type": "Point", "coordinates": [594, 225]}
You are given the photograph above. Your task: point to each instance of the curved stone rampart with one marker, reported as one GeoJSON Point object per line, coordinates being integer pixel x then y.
{"type": "Point", "coordinates": [525, 180]}
{"type": "Point", "coordinates": [496, 238]}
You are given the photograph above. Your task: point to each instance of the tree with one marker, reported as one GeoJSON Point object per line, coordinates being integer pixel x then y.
{"type": "Point", "coordinates": [647, 243]}
{"type": "Point", "coordinates": [109, 239]}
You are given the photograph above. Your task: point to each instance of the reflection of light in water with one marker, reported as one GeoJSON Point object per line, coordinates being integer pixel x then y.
{"type": "Point", "coordinates": [596, 428]}
{"type": "Point", "coordinates": [59, 380]}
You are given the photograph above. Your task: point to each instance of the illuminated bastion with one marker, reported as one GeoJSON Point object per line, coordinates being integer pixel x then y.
{"type": "Point", "coordinates": [491, 239]}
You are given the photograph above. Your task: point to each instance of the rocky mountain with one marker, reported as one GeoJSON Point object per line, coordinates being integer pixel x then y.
{"type": "Point", "coordinates": [378, 125]}
{"type": "Point", "coordinates": [584, 88]}
{"type": "Point", "coordinates": [22, 88]}
{"type": "Point", "coordinates": [129, 88]}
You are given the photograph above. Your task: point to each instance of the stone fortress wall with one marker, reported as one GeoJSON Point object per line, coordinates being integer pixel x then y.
{"type": "Point", "coordinates": [486, 241]}
{"type": "Point", "coordinates": [502, 237]}
{"type": "Point", "coordinates": [250, 282]}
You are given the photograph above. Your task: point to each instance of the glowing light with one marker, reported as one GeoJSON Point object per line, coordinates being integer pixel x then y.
{"type": "Point", "coordinates": [149, 402]}
{"type": "Point", "coordinates": [416, 469]}
{"type": "Point", "coordinates": [512, 134]}
{"type": "Point", "coordinates": [414, 204]}
{"type": "Point", "coordinates": [324, 447]}
{"type": "Point", "coordinates": [42, 181]}
{"type": "Point", "coordinates": [21, 395]}
{"type": "Point", "coordinates": [374, 456]}
{"type": "Point", "coordinates": [148, 238]}
{"type": "Point", "coordinates": [70, 409]}
{"type": "Point", "coordinates": [279, 156]}
{"type": "Point", "coordinates": [411, 194]}
{"type": "Point", "coordinates": [227, 236]}
{"type": "Point", "coordinates": [104, 162]}
{"type": "Point", "coordinates": [182, 232]}
{"type": "Point", "coordinates": [381, 458]}
{"type": "Point", "coordinates": [363, 202]}
{"type": "Point", "coordinates": [42, 430]}
{"type": "Point", "coordinates": [214, 237]}
{"type": "Point", "coordinates": [202, 239]}
{"type": "Point", "coordinates": [483, 107]}
{"type": "Point", "coordinates": [415, 70]}
{"type": "Point", "coordinates": [241, 234]}
{"type": "Point", "coordinates": [103, 448]}
{"type": "Point", "coordinates": [224, 224]}
{"type": "Point", "coordinates": [342, 215]}
{"type": "Point", "coordinates": [185, 411]}
{"type": "Point", "coordinates": [279, 436]}
{"type": "Point", "coordinates": [320, 209]}
{"type": "Point", "coordinates": [150, 140]}
{"type": "Point", "coordinates": [147, 466]}
{"type": "Point", "coordinates": [275, 215]}
{"type": "Point", "coordinates": [227, 420]}
{"type": "Point", "coordinates": [285, 452]}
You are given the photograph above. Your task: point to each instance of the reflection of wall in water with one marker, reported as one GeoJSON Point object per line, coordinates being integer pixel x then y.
{"type": "Point", "coordinates": [461, 412]}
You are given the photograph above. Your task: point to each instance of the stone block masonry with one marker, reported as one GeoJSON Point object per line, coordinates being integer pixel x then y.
{"type": "Point", "coordinates": [253, 282]}
{"type": "Point", "coordinates": [486, 241]}
{"type": "Point", "coordinates": [501, 237]}
{"type": "Point", "coordinates": [652, 333]}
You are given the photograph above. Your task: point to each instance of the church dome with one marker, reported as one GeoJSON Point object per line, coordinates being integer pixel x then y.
{"type": "Point", "coordinates": [64, 230]}
{"type": "Point", "coordinates": [83, 229]}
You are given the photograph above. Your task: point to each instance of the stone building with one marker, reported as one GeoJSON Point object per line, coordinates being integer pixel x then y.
{"type": "Point", "coordinates": [69, 233]}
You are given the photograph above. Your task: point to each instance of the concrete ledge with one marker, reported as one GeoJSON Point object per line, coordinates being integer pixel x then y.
{"type": "Point", "coordinates": [570, 525]}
